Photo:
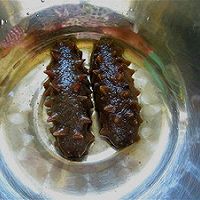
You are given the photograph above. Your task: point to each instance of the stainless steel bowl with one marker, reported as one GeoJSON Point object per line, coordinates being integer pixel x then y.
{"type": "Point", "coordinates": [163, 40]}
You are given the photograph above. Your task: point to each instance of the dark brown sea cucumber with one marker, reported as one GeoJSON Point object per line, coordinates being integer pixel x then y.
{"type": "Point", "coordinates": [68, 98]}
{"type": "Point", "coordinates": [114, 94]}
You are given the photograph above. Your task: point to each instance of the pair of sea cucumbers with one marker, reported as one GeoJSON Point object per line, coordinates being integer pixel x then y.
{"type": "Point", "coordinates": [68, 97]}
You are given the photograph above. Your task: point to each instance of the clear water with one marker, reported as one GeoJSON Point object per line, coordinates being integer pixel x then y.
{"type": "Point", "coordinates": [30, 147]}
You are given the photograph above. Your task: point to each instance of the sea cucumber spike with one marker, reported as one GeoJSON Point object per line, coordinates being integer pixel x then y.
{"type": "Point", "coordinates": [125, 93]}
{"type": "Point", "coordinates": [109, 108]}
{"type": "Point", "coordinates": [104, 89]}
{"type": "Point", "coordinates": [119, 76]}
{"type": "Point", "coordinates": [46, 84]}
{"type": "Point", "coordinates": [137, 92]}
{"type": "Point", "coordinates": [52, 118]}
{"type": "Point", "coordinates": [124, 61]}
{"type": "Point", "coordinates": [80, 62]}
{"type": "Point", "coordinates": [55, 50]}
{"type": "Point", "coordinates": [77, 136]}
{"type": "Point", "coordinates": [73, 46]}
{"type": "Point", "coordinates": [47, 91]}
{"type": "Point", "coordinates": [79, 65]}
{"type": "Point", "coordinates": [82, 98]}
{"type": "Point", "coordinates": [130, 71]}
{"type": "Point", "coordinates": [130, 114]}
{"type": "Point", "coordinates": [101, 76]}
{"type": "Point", "coordinates": [55, 87]}
{"type": "Point", "coordinates": [103, 131]}
{"type": "Point", "coordinates": [99, 59]}
{"type": "Point", "coordinates": [55, 54]}
{"type": "Point", "coordinates": [133, 105]}
{"type": "Point", "coordinates": [96, 71]}
{"type": "Point", "coordinates": [59, 133]}
{"type": "Point", "coordinates": [49, 73]}
{"type": "Point", "coordinates": [49, 67]}
{"type": "Point", "coordinates": [85, 120]}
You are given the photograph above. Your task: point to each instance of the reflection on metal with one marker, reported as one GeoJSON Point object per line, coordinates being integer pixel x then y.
{"type": "Point", "coordinates": [165, 164]}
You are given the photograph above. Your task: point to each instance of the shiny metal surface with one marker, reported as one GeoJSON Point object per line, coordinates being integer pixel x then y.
{"type": "Point", "coordinates": [165, 167]}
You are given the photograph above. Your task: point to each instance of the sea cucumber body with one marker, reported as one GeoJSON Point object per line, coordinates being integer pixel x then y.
{"type": "Point", "coordinates": [68, 99]}
{"type": "Point", "coordinates": [115, 96]}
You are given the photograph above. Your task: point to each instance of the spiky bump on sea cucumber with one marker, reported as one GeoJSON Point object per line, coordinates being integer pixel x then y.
{"type": "Point", "coordinates": [68, 99]}
{"type": "Point", "coordinates": [115, 96]}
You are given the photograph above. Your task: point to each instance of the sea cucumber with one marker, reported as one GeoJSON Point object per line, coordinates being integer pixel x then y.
{"type": "Point", "coordinates": [115, 96]}
{"type": "Point", "coordinates": [68, 99]}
